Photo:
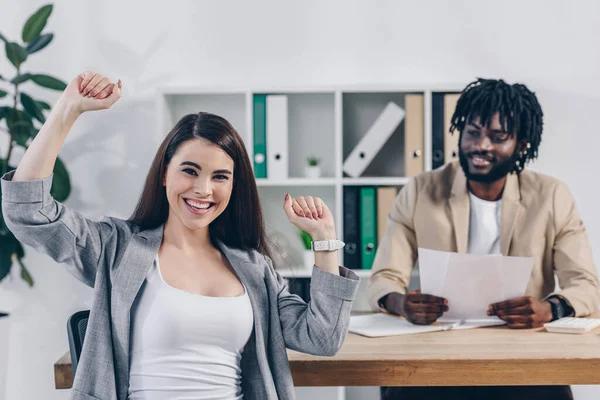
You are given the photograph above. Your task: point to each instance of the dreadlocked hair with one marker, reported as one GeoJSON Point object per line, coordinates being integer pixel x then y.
{"type": "Point", "coordinates": [518, 107]}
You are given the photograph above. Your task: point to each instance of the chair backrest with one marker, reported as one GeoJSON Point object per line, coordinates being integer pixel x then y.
{"type": "Point", "coordinates": [76, 327]}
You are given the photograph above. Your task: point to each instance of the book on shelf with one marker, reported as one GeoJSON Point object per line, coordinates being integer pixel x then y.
{"type": "Point", "coordinates": [366, 209]}
{"type": "Point", "coordinates": [385, 202]}
{"type": "Point", "coordinates": [444, 144]}
{"type": "Point", "coordinates": [352, 251]}
{"type": "Point", "coordinates": [259, 113]}
{"type": "Point", "coordinates": [450, 138]}
{"type": "Point", "coordinates": [277, 137]}
{"type": "Point", "coordinates": [270, 136]}
{"type": "Point", "coordinates": [368, 228]}
{"type": "Point", "coordinates": [373, 140]}
{"type": "Point", "coordinates": [414, 134]}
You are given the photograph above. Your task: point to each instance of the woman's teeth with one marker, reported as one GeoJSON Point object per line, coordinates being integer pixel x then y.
{"type": "Point", "coordinates": [198, 206]}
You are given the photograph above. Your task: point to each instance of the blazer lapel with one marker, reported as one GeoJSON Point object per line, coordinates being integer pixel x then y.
{"type": "Point", "coordinates": [248, 272]}
{"type": "Point", "coordinates": [511, 208]}
{"type": "Point", "coordinates": [134, 268]}
{"type": "Point", "coordinates": [459, 208]}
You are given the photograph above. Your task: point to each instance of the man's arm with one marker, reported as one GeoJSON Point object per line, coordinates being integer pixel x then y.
{"type": "Point", "coordinates": [397, 251]}
{"type": "Point", "coordinates": [573, 260]}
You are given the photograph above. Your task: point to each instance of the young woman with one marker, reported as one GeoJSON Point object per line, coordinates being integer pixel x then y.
{"type": "Point", "coordinates": [186, 301]}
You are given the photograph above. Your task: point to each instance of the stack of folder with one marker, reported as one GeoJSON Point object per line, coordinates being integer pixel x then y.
{"type": "Point", "coordinates": [270, 128]}
{"type": "Point", "coordinates": [444, 145]}
{"type": "Point", "coordinates": [366, 210]}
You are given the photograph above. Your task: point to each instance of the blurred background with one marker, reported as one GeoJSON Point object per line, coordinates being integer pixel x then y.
{"type": "Point", "coordinates": [549, 45]}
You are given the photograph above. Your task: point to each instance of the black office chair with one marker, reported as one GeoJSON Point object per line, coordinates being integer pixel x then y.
{"type": "Point", "coordinates": [76, 327]}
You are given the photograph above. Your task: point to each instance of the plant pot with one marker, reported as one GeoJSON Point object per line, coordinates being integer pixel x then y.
{"type": "Point", "coordinates": [309, 259]}
{"type": "Point", "coordinates": [312, 172]}
{"type": "Point", "coordinates": [4, 348]}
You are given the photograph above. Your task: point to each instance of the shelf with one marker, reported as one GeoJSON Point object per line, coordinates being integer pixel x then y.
{"type": "Point", "coordinates": [382, 181]}
{"type": "Point", "coordinates": [296, 182]}
{"type": "Point", "coordinates": [390, 181]}
{"type": "Point", "coordinates": [301, 272]}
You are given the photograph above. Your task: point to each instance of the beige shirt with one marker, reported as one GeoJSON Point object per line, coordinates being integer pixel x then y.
{"type": "Point", "coordinates": [538, 219]}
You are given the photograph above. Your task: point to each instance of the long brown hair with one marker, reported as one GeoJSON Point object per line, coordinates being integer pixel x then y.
{"type": "Point", "coordinates": [241, 224]}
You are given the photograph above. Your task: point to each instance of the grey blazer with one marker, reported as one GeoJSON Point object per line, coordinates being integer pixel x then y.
{"type": "Point", "coordinates": [113, 257]}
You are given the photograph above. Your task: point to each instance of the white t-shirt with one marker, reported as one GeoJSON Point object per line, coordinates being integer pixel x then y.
{"type": "Point", "coordinates": [484, 226]}
{"type": "Point", "coordinates": [184, 345]}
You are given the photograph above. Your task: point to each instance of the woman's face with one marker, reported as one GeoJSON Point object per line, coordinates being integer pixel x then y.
{"type": "Point", "coordinates": [198, 181]}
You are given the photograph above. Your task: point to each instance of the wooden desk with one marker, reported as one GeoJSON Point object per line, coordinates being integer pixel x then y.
{"type": "Point", "coordinates": [485, 356]}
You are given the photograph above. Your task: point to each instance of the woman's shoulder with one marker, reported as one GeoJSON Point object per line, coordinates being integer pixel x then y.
{"type": "Point", "coordinates": [122, 230]}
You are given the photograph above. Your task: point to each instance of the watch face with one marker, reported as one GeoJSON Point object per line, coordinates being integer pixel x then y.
{"type": "Point", "coordinates": [559, 310]}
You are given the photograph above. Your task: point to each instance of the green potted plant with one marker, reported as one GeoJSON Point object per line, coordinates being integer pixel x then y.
{"type": "Point", "coordinates": [313, 169]}
{"type": "Point", "coordinates": [309, 256]}
{"type": "Point", "coordinates": [21, 116]}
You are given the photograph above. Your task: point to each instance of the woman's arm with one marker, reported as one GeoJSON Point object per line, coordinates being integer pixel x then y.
{"type": "Point", "coordinates": [29, 210]}
{"type": "Point", "coordinates": [320, 326]}
{"type": "Point", "coordinates": [38, 161]}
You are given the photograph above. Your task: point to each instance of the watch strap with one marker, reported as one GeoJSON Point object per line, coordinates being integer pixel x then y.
{"type": "Point", "coordinates": [327, 245]}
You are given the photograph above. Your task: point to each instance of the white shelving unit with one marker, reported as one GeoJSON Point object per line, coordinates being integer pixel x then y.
{"type": "Point", "coordinates": [323, 121]}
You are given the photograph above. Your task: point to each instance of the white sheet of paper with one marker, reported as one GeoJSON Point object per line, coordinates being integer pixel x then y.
{"type": "Point", "coordinates": [432, 271]}
{"type": "Point", "coordinates": [516, 272]}
{"type": "Point", "coordinates": [382, 324]}
{"type": "Point", "coordinates": [471, 282]}
{"type": "Point", "coordinates": [471, 323]}
{"type": "Point", "coordinates": [471, 285]}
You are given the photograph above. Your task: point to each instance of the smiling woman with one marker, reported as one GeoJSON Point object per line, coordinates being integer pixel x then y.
{"type": "Point", "coordinates": [203, 161]}
{"type": "Point", "coordinates": [168, 280]}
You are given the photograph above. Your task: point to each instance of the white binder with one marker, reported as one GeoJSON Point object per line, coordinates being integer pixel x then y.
{"type": "Point", "coordinates": [370, 144]}
{"type": "Point", "coordinates": [277, 137]}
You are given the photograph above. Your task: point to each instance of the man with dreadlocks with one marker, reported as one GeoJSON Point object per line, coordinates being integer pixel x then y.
{"type": "Point", "coordinates": [487, 203]}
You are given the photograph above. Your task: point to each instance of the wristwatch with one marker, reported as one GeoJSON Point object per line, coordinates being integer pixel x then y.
{"type": "Point", "coordinates": [327, 245]}
{"type": "Point", "coordinates": [558, 310]}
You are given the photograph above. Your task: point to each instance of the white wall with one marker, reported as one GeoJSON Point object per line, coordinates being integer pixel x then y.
{"type": "Point", "coordinates": [551, 46]}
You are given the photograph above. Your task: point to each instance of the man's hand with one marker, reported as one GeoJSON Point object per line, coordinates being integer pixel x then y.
{"type": "Point", "coordinates": [418, 308]}
{"type": "Point", "coordinates": [522, 312]}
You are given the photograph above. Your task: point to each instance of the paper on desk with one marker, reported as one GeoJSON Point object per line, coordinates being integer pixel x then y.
{"type": "Point", "coordinates": [383, 324]}
{"type": "Point", "coordinates": [471, 282]}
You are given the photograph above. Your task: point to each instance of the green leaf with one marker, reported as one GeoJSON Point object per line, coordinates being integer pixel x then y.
{"type": "Point", "coordinates": [36, 23]}
{"type": "Point", "coordinates": [20, 125]}
{"type": "Point", "coordinates": [19, 250]}
{"type": "Point", "coordinates": [43, 105]}
{"type": "Point", "coordinates": [4, 112]}
{"type": "Point", "coordinates": [3, 93]}
{"type": "Point", "coordinates": [306, 239]}
{"type": "Point", "coordinates": [31, 106]}
{"type": "Point", "coordinates": [16, 54]}
{"type": "Point", "coordinates": [3, 228]}
{"type": "Point", "coordinates": [25, 275]}
{"type": "Point", "coordinates": [7, 249]}
{"type": "Point", "coordinates": [39, 43]}
{"type": "Point", "coordinates": [21, 78]}
{"type": "Point", "coordinates": [4, 168]}
{"type": "Point", "coordinates": [49, 82]}
{"type": "Point", "coordinates": [3, 38]}
{"type": "Point", "coordinates": [61, 183]}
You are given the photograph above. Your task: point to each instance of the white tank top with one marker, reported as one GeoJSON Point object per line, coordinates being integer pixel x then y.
{"type": "Point", "coordinates": [184, 345]}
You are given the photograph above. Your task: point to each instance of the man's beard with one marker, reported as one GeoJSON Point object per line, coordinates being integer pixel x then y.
{"type": "Point", "coordinates": [497, 172]}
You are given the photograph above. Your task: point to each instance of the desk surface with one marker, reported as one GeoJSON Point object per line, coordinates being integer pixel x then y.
{"type": "Point", "coordinates": [484, 356]}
